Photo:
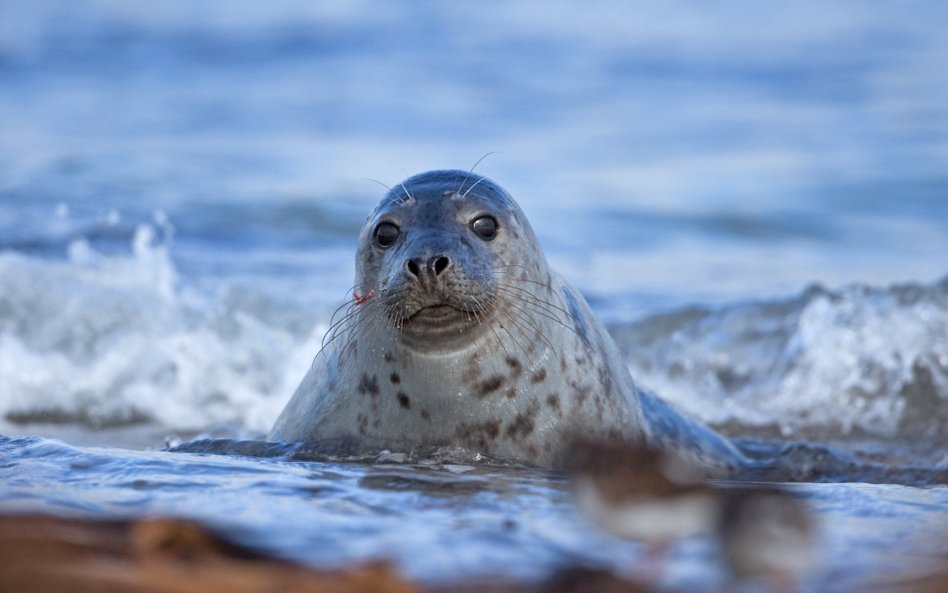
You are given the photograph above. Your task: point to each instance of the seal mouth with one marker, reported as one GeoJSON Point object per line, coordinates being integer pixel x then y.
{"type": "Point", "coordinates": [438, 313]}
{"type": "Point", "coordinates": [439, 321]}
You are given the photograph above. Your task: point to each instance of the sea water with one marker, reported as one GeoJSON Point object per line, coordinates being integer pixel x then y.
{"type": "Point", "coordinates": [755, 199]}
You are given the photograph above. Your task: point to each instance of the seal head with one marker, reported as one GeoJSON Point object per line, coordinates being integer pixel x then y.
{"type": "Point", "coordinates": [436, 254]}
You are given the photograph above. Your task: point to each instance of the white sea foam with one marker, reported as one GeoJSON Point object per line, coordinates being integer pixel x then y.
{"type": "Point", "coordinates": [112, 340]}
{"type": "Point", "coordinates": [853, 362]}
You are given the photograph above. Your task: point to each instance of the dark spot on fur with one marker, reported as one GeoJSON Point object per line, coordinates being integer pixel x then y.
{"type": "Point", "coordinates": [363, 421]}
{"type": "Point", "coordinates": [369, 385]}
{"type": "Point", "coordinates": [516, 367]}
{"type": "Point", "coordinates": [425, 415]}
{"type": "Point", "coordinates": [389, 357]}
{"type": "Point", "coordinates": [563, 365]}
{"type": "Point", "coordinates": [489, 385]}
{"type": "Point", "coordinates": [479, 434]}
{"type": "Point", "coordinates": [511, 393]}
{"type": "Point", "coordinates": [521, 426]}
{"type": "Point", "coordinates": [395, 378]}
{"type": "Point", "coordinates": [554, 401]}
{"type": "Point", "coordinates": [538, 377]}
{"type": "Point", "coordinates": [403, 400]}
{"type": "Point", "coordinates": [377, 423]}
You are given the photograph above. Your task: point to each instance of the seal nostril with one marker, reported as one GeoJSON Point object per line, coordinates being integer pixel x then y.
{"type": "Point", "coordinates": [440, 265]}
{"type": "Point", "coordinates": [413, 267]}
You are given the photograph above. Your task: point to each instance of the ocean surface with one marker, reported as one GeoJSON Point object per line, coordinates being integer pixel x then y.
{"type": "Point", "coordinates": [753, 197]}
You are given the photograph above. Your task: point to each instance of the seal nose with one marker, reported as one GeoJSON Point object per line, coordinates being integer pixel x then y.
{"type": "Point", "coordinates": [435, 266]}
{"type": "Point", "coordinates": [439, 264]}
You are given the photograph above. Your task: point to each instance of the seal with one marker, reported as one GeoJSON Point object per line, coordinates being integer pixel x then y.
{"type": "Point", "coordinates": [459, 334]}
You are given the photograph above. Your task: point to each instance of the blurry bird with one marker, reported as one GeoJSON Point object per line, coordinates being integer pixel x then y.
{"type": "Point", "coordinates": [765, 534]}
{"type": "Point", "coordinates": [642, 494]}
{"type": "Point", "coordinates": [639, 493]}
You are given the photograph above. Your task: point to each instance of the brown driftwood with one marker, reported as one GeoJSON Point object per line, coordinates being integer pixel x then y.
{"type": "Point", "coordinates": [42, 554]}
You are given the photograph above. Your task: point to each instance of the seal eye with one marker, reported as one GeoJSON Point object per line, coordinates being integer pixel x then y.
{"type": "Point", "coordinates": [485, 227]}
{"type": "Point", "coordinates": [386, 234]}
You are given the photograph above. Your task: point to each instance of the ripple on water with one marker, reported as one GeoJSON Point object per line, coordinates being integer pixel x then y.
{"type": "Point", "coordinates": [435, 520]}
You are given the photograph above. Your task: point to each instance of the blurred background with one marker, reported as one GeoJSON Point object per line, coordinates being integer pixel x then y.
{"type": "Point", "coordinates": [181, 185]}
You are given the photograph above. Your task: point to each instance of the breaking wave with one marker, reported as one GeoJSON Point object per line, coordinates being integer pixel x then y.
{"type": "Point", "coordinates": [855, 362]}
{"type": "Point", "coordinates": [106, 341]}
{"type": "Point", "coordinates": [99, 340]}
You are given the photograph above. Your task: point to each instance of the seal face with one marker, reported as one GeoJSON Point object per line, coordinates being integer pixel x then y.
{"type": "Point", "coordinates": [432, 258]}
{"type": "Point", "coordinates": [459, 334]}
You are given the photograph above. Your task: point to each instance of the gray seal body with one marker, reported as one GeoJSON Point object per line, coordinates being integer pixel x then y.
{"type": "Point", "coordinates": [459, 334]}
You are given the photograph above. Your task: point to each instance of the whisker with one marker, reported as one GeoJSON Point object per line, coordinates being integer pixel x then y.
{"type": "Point", "coordinates": [547, 288]}
{"type": "Point", "coordinates": [408, 193]}
{"type": "Point", "coordinates": [491, 153]}
{"type": "Point", "coordinates": [471, 171]}
{"type": "Point", "coordinates": [511, 319]}
{"type": "Point", "coordinates": [521, 318]}
{"type": "Point", "coordinates": [548, 308]}
{"type": "Point", "coordinates": [336, 325]}
{"type": "Point", "coordinates": [473, 185]}
{"type": "Point", "coordinates": [499, 268]}
{"type": "Point", "coordinates": [327, 341]}
{"type": "Point", "coordinates": [554, 312]}
{"type": "Point", "coordinates": [493, 331]}
{"type": "Point", "coordinates": [340, 328]}
{"type": "Point", "coordinates": [348, 300]}
{"type": "Point", "coordinates": [483, 308]}
{"type": "Point", "coordinates": [365, 324]}
{"type": "Point", "coordinates": [387, 188]}
{"type": "Point", "coordinates": [499, 341]}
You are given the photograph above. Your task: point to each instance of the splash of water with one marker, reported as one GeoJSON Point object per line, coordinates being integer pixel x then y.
{"type": "Point", "coordinates": [860, 361]}
{"type": "Point", "coordinates": [112, 340]}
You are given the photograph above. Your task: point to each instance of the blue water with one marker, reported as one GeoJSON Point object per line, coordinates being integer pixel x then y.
{"type": "Point", "coordinates": [736, 190]}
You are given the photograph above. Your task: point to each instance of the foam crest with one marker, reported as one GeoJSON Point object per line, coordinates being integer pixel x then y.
{"type": "Point", "coordinates": [116, 340]}
{"type": "Point", "coordinates": [859, 361]}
